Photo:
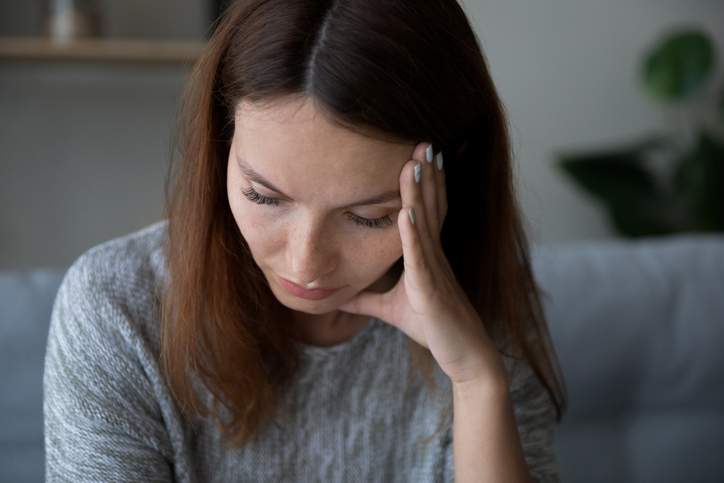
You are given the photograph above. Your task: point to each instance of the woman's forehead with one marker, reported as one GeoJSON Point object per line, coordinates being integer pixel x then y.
{"type": "Point", "coordinates": [293, 144]}
{"type": "Point", "coordinates": [302, 111]}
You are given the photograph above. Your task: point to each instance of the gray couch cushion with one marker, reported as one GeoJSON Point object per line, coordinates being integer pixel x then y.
{"type": "Point", "coordinates": [26, 300]}
{"type": "Point", "coordinates": [639, 331]}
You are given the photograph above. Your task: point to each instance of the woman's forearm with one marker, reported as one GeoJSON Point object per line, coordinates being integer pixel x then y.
{"type": "Point", "coordinates": [485, 440]}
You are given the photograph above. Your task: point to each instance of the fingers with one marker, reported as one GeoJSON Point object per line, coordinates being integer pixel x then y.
{"type": "Point", "coordinates": [428, 185]}
{"type": "Point", "coordinates": [421, 186]}
{"type": "Point", "coordinates": [412, 200]}
{"type": "Point", "coordinates": [441, 190]}
{"type": "Point", "coordinates": [418, 269]}
{"type": "Point", "coordinates": [431, 187]}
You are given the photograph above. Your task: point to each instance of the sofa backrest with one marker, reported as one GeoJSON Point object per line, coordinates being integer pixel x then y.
{"type": "Point", "coordinates": [638, 327]}
{"type": "Point", "coordinates": [26, 300]}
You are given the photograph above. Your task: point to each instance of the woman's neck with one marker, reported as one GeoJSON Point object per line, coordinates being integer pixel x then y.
{"type": "Point", "coordinates": [326, 330]}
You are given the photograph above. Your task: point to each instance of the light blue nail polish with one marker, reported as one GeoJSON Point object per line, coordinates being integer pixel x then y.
{"type": "Point", "coordinates": [418, 171]}
{"type": "Point", "coordinates": [412, 217]}
{"type": "Point", "coordinates": [428, 154]}
{"type": "Point", "coordinates": [439, 160]}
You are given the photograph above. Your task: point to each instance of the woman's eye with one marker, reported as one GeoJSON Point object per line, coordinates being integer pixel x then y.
{"type": "Point", "coordinates": [259, 199]}
{"type": "Point", "coordinates": [383, 222]}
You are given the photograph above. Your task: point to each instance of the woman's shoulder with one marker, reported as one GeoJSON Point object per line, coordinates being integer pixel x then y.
{"type": "Point", "coordinates": [124, 264]}
{"type": "Point", "coordinates": [141, 247]}
{"type": "Point", "coordinates": [104, 393]}
{"type": "Point", "coordinates": [117, 283]}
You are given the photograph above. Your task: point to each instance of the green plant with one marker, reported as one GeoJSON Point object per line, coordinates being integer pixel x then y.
{"type": "Point", "coordinates": [644, 196]}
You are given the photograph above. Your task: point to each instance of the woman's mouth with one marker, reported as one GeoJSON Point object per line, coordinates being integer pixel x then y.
{"type": "Point", "coordinates": [305, 293]}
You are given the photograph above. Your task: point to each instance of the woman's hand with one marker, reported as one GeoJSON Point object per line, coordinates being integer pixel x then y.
{"type": "Point", "coordinates": [428, 303]}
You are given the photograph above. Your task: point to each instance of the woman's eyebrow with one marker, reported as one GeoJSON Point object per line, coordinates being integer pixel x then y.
{"type": "Point", "coordinates": [257, 178]}
{"type": "Point", "coordinates": [375, 200]}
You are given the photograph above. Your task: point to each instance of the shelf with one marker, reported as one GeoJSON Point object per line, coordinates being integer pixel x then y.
{"type": "Point", "coordinates": [104, 50]}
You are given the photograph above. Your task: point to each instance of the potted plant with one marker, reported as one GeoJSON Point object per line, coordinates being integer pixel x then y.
{"type": "Point", "coordinates": [666, 183]}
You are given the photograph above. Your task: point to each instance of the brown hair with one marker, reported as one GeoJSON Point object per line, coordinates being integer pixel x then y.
{"type": "Point", "coordinates": [408, 68]}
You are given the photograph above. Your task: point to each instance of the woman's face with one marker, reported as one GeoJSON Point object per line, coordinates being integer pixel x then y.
{"type": "Point", "coordinates": [316, 203]}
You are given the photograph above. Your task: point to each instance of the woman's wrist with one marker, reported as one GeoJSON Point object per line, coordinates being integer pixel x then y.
{"type": "Point", "coordinates": [492, 385]}
{"type": "Point", "coordinates": [481, 368]}
{"type": "Point", "coordinates": [486, 442]}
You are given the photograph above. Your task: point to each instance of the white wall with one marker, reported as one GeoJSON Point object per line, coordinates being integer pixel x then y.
{"type": "Point", "coordinates": [83, 146]}
{"type": "Point", "coordinates": [568, 73]}
{"type": "Point", "coordinates": [83, 151]}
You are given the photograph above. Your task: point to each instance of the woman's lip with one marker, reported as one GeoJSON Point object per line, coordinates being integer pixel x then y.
{"type": "Point", "coordinates": [304, 293]}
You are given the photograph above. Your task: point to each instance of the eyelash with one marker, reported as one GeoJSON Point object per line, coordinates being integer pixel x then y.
{"type": "Point", "coordinates": [383, 222]}
{"type": "Point", "coordinates": [260, 199]}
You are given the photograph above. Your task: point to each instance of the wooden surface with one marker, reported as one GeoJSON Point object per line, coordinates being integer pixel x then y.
{"type": "Point", "coordinates": [109, 50]}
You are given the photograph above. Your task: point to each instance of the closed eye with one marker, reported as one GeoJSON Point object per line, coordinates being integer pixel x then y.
{"type": "Point", "coordinates": [383, 222]}
{"type": "Point", "coordinates": [258, 198]}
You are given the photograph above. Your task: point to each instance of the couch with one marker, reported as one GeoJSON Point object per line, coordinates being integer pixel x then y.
{"type": "Point", "coordinates": [639, 331]}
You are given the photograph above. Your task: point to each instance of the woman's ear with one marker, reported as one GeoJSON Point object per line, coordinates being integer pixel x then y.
{"type": "Point", "coordinates": [462, 148]}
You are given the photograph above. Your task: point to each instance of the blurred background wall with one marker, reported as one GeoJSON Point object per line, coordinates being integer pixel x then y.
{"type": "Point", "coordinates": [84, 145]}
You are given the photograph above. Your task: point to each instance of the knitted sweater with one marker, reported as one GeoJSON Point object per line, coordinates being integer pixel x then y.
{"type": "Point", "coordinates": [110, 416]}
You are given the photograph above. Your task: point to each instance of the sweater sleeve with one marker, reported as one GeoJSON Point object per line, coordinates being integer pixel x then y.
{"type": "Point", "coordinates": [102, 421]}
{"type": "Point", "coordinates": [535, 414]}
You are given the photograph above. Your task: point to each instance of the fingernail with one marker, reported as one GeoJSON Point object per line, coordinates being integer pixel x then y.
{"type": "Point", "coordinates": [418, 170]}
{"type": "Point", "coordinates": [428, 153]}
{"type": "Point", "coordinates": [439, 160]}
{"type": "Point", "coordinates": [412, 217]}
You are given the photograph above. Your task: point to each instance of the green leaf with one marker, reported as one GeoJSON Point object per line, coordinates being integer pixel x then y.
{"type": "Point", "coordinates": [617, 178]}
{"type": "Point", "coordinates": [680, 66]}
{"type": "Point", "coordinates": [636, 203]}
{"type": "Point", "coordinates": [701, 179]}
{"type": "Point", "coordinates": [638, 221]}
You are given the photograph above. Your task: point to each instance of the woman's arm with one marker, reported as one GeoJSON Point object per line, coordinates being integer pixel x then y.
{"type": "Point", "coordinates": [536, 418]}
{"type": "Point", "coordinates": [486, 442]}
{"type": "Point", "coordinates": [102, 419]}
{"type": "Point", "coordinates": [429, 306]}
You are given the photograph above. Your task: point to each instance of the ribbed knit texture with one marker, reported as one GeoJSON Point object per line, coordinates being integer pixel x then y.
{"type": "Point", "coordinates": [110, 416]}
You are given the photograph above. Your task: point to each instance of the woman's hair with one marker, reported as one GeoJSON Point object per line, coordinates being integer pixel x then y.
{"type": "Point", "coordinates": [412, 69]}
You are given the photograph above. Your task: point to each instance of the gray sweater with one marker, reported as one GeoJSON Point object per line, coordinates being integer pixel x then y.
{"type": "Point", "coordinates": [110, 416]}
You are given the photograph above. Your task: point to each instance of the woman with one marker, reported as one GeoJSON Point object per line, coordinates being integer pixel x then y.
{"type": "Point", "coordinates": [304, 314]}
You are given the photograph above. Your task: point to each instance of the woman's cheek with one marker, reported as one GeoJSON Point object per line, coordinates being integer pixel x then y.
{"type": "Point", "coordinates": [379, 250]}
{"type": "Point", "coordinates": [260, 228]}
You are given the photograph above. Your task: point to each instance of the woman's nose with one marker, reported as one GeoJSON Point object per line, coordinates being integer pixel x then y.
{"type": "Point", "coordinates": [311, 252]}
